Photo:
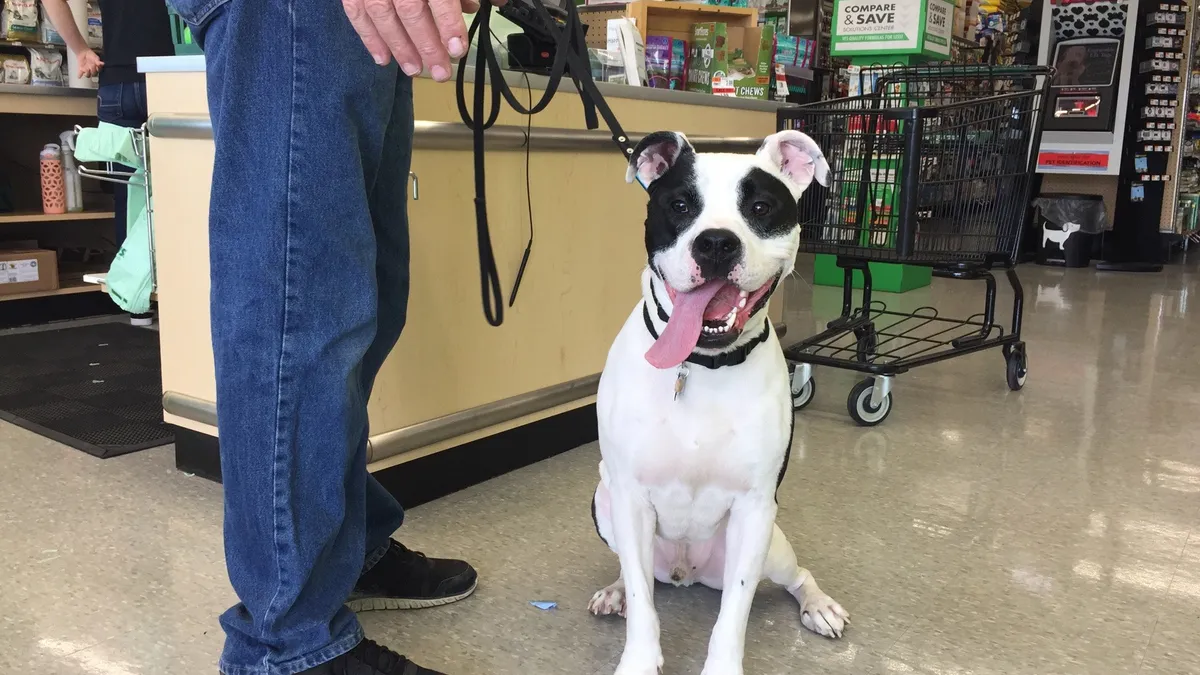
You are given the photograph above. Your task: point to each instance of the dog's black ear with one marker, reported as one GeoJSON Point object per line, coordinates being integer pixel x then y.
{"type": "Point", "coordinates": [655, 155]}
{"type": "Point", "coordinates": [797, 157]}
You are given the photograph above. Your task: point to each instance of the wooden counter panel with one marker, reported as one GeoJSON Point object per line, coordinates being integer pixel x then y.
{"type": "Point", "coordinates": [181, 174]}
{"type": "Point", "coordinates": [580, 284]}
{"type": "Point", "coordinates": [176, 93]}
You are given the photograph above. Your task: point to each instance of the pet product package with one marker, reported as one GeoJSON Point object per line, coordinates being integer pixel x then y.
{"type": "Point", "coordinates": [666, 62]}
{"type": "Point", "coordinates": [19, 20]}
{"type": "Point", "coordinates": [48, 34]}
{"type": "Point", "coordinates": [14, 69]}
{"type": "Point", "coordinates": [794, 51]}
{"type": "Point", "coordinates": [731, 60]}
{"type": "Point", "coordinates": [95, 26]}
{"type": "Point", "coordinates": [47, 67]}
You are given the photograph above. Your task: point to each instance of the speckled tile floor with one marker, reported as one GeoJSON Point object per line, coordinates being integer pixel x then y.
{"type": "Point", "coordinates": [977, 531]}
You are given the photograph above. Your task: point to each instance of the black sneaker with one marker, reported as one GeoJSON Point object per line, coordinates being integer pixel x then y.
{"type": "Point", "coordinates": [369, 658]}
{"type": "Point", "coordinates": [404, 579]}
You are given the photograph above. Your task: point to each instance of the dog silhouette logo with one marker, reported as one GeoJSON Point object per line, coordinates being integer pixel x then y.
{"type": "Point", "coordinates": [1059, 237]}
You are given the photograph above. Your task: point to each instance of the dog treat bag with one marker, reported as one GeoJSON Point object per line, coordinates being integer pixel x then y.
{"type": "Point", "coordinates": [665, 62]}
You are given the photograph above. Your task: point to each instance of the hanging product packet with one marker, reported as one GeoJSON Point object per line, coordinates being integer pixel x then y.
{"type": "Point", "coordinates": [666, 60]}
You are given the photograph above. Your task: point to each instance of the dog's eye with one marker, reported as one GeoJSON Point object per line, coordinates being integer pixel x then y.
{"type": "Point", "coordinates": [679, 206]}
{"type": "Point", "coordinates": [761, 209]}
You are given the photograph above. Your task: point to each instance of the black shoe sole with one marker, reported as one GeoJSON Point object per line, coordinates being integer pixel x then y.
{"type": "Point", "coordinates": [379, 604]}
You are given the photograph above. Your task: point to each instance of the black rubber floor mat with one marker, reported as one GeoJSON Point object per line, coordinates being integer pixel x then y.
{"type": "Point", "coordinates": [96, 388]}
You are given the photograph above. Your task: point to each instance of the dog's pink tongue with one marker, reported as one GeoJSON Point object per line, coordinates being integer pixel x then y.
{"type": "Point", "coordinates": [682, 333]}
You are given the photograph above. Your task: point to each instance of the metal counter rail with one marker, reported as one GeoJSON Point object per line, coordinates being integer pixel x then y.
{"type": "Point", "coordinates": [450, 136]}
{"type": "Point", "coordinates": [422, 434]}
{"type": "Point", "coordinates": [456, 136]}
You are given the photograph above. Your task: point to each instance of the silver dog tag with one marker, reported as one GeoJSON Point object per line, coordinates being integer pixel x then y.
{"type": "Point", "coordinates": [680, 380]}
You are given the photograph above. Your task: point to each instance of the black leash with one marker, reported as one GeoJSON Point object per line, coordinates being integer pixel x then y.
{"type": "Point", "coordinates": [570, 58]}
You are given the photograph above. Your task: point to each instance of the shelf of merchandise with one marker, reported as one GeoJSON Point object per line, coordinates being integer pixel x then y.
{"type": "Point", "coordinates": [33, 108]}
{"type": "Point", "coordinates": [675, 19]}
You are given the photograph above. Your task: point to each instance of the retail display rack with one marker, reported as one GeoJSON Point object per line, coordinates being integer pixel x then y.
{"type": "Point", "coordinates": [1155, 141]}
{"type": "Point", "coordinates": [1187, 213]}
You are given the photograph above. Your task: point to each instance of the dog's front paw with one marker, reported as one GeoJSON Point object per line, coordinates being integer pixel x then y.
{"type": "Point", "coordinates": [610, 600]}
{"type": "Point", "coordinates": [640, 662]}
{"type": "Point", "coordinates": [824, 616]}
{"type": "Point", "coordinates": [722, 667]}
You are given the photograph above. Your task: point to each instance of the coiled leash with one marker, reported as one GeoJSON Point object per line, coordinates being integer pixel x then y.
{"type": "Point", "coordinates": [570, 58]}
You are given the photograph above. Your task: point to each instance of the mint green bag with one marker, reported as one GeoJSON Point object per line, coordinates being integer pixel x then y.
{"type": "Point", "coordinates": [131, 276]}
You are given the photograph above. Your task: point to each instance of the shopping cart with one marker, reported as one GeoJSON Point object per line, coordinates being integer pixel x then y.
{"type": "Point", "coordinates": [933, 167]}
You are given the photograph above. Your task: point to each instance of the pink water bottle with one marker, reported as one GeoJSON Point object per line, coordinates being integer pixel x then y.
{"type": "Point", "coordinates": [54, 187]}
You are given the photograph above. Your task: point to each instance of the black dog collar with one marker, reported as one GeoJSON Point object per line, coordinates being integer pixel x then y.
{"type": "Point", "coordinates": [732, 358]}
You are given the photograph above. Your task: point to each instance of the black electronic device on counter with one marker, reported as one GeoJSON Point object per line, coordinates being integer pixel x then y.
{"type": "Point", "coordinates": [533, 50]}
{"type": "Point", "coordinates": [1083, 94]}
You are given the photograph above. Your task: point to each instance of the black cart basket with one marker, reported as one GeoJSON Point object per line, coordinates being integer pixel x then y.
{"type": "Point", "coordinates": [933, 168]}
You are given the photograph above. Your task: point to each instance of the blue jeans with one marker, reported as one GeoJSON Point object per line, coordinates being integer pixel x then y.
{"type": "Point", "coordinates": [308, 235]}
{"type": "Point", "coordinates": [124, 105]}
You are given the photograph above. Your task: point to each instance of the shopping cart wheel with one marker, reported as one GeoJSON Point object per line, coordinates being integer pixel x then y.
{"type": "Point", "coordinates": [802, 392]}
{"type": "Point", "coordinates": [1018, 366]}
{"type": "Point", "coordinates": [860, 407]}
{"type": "Point", "coordinates": [803, 396]}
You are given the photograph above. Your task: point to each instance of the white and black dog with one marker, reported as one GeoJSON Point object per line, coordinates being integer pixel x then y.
{"type": "Point", "coordinates": [694, 406]}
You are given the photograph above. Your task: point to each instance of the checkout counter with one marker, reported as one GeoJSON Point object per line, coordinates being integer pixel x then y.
{"type": "Point", "coordinates": [458, 401]}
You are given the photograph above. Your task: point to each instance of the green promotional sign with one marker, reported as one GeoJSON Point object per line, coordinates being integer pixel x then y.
{"type": "Point", "coordinates": [884, 32]}
{"type": "Point", "coordinates": [892, 27]}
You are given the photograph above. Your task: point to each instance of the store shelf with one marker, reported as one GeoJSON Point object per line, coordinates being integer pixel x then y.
{"type": "Point", "coordinates": [675, 19]}
{"type": "Point", "coordinates": [33, 44]}
{"type": "Point", "coordinates": [74, 286]}
{"type": "Point", "coordinates": [38, 45]}
{"type": "Point", "coordinates": [37, 217]}
{"type": "Point", "coordinates": [799, 73]}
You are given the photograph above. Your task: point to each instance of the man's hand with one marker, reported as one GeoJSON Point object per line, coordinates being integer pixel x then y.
{"type": "Point", "coordinates": [418, 33]}
{"type": "Point", "coordinates": [89, 63]}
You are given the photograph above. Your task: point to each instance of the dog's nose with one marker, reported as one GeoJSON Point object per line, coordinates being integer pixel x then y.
{"type": "Point", "coordinates": [716, 251]}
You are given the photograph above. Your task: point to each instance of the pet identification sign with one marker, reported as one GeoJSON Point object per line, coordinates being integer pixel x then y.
{"type": "Point", "coordinates": [891, 27]}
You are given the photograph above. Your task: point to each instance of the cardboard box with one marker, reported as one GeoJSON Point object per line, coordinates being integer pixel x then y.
{"type": "Point", "coordinates": [28, 271]}
{"type": "Point", "coordinates": [731, 60]}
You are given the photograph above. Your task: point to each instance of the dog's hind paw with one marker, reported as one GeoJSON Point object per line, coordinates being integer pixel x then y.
{"type": "Point", "coordinates": [609, 600]}
{"type": "Point", "coordinates": [824, 616]}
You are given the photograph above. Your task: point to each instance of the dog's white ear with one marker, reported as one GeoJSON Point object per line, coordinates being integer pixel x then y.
{"type": "Point", "coordinates": [796, 156]}
{"type": "Point", "coordinates": [655, 155]}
